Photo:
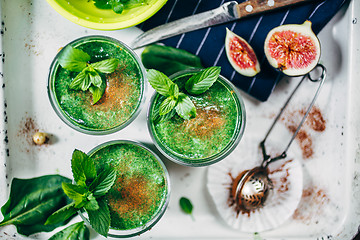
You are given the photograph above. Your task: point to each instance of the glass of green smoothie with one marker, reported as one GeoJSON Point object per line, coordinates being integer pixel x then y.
{"type": "Point", "coordinates": [97, 85]}
{"type": "Point", "coordinates": [209, 136]}
{"type": "Point", "coordinates": [141, 192]}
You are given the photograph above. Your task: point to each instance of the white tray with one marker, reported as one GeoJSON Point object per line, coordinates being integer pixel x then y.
{"type": "Point", "coordinates": [32, 34]}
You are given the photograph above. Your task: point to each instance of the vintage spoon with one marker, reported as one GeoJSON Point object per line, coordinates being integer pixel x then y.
{"type": "Point", "coordinates": [251, 188]}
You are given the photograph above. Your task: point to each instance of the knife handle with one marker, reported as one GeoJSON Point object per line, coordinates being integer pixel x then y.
{"type": "Point", "coordinates": [251, 7]}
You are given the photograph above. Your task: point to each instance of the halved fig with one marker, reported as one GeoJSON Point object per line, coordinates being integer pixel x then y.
{"type": "Point", "coordinates": [294, 49]}
{"type": "Point", "coordinates": [241, 55]}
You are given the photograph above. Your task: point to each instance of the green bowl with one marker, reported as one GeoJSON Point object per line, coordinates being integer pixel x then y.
{"type": "Point", "coordinates": [84, 13]}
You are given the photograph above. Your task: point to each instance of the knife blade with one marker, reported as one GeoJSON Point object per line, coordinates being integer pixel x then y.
{"type": "Point", "coordinates": [227, 12]}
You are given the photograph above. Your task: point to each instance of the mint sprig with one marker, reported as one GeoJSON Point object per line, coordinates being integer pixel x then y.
{"type": "Point", "coordinates": [174, 99]}
{"type": "Point", "coordinates": [87, 193]}
{"type": "Point", "coordinates": [73, 59]}
{"type": "Point", "coordinates": [88, 78]}
{"type": "Point", "coordinates": [184, 107]}
{"type": "Point", "coordinates": [202, 81]}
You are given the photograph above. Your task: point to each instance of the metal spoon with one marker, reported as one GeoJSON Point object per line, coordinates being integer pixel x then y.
{"type": "Point", "coordinates": [251, 188]}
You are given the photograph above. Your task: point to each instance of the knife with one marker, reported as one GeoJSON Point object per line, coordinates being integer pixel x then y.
{"type": "Point", "coordinates": [227, 12]}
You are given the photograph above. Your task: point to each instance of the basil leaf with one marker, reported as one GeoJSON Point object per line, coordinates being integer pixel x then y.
{"type": "Point", "coordinates": [62, 214]}
{"type": "Point", "coordinates": [91, 204]}
{"type": "Point", "coordinates": [167, 105]}
{"type": "Point", "coordinates": [104, 181]}
{"type": "Point", "coordinates": [186, 205]}
{"type": "Point", "coordinates": [77, 231]}
{"type": "Point", "coordinates": [203, 80]}
{"type": "Point", "coordinates": [107, 65]}
{"type": "Point", "coordinates": [77, 83]}
{"type": "Point", "coordinates": [75, 192]}
{"type": "Point", "coordinates": [100, 219]}
{"type": "Point", "coordinates": [160, 82]}
{"type": "Point", "coordinates": [185, 107]}
{"type": "Point", "coordinates": [73, 59]}
{"type": "Point", "coordinates": [168, 60]}
{"type": "Point", "coordinates": [83, 167]}
{"type": "Point", "coordinates": [28, 217]}
{"type": "Point", "coordinates": [32, 201]}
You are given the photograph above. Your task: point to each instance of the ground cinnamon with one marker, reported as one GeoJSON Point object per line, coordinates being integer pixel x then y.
{"type": "Point", "coordinates": [206, 122]}
{"type": "Point", "coordinates": [116, 92]}
{"type": "Point", "coordinates": [131, 196]}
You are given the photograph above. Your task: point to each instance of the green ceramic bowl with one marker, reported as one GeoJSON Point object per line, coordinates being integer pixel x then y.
{"type": "Point", "coordinates": [84, 13]}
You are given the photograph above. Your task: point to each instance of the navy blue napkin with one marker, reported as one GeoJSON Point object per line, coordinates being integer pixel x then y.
{"type": "Point", "coordinates": [208, 43]}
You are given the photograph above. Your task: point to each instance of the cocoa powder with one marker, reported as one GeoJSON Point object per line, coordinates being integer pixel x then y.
{"type": "Point", "coordinates": [314, 122]}
{"type": "Point", "coordinates": [283, 184]}
{"type": "Point", "coordinates": [312, 205]}
{"type": "Point", "coordinates": [27, 129]}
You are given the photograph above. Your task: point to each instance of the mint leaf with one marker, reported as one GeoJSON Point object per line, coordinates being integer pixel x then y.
{"type": "Point", "coordinates": [62, 214]}
{"type": "Point", "coordinates": [185, 107]}
{"type": "Point", "coordinates": [73, 59]}
{"type": "Point", "coordinates": [75, 192]}
{"type": "Point", "coordinates": [95, 79]}
{"type": "Point", "coordinates": [167, 105]}
{"type": "Point", "coordinates": [107, 65]}
{"type": "Point", "coordinates": [203, 80]}
{"type": "Point", "coordinates": [86, 83]}
{"type": "Point", "coordinates": [186, 205]}
{"type": "Point", "coordinates": [91, 203]}
{"type": "Point", "coordinates": [83, 167]}
{"type": "Point", "coordinates": [157, 118]}
{"type": "Point", "coordinates": [100, 219]}
{"type": "Point", "coordinates": [97, 92]}
{"type": "Point", "coordinates": [104, 181]}
{"type": "Point", "coordinates": [160, 82]}
{"type": "Point", "coordinates": [80, 80]}
{"type": "Point", "coordinates": [174, 91]}
{"type": "Point", "coordinates": [76, 231]}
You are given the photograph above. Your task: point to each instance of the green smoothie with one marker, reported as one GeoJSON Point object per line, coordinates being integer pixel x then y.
{"type": "Point", "coordinates": [141, 191]}
{"type": "Point", "coordinates": [123, 93]}
{"type": "Point", "coordinates": [205, 139]}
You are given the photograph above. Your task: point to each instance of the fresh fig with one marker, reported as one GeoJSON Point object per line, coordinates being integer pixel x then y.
{"type": "Point", "coordinates": [241, 55]}
{"type": "Point", "coordinates": [294, 49]}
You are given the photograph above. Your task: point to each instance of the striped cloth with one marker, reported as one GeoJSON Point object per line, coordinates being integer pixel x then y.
{"type": "Point", "coordinates": [208, 43]}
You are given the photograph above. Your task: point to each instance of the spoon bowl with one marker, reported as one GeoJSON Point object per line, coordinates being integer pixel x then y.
{"type": "Point", "coordinates": [251, 188]}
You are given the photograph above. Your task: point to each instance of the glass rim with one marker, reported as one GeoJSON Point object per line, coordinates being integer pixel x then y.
{"type": "Point", "coordinates": [116, 233]}
{"type": "Point", "coordinates": [236, 137]}
{"type": "Point", "coordinates": [67, 119]}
